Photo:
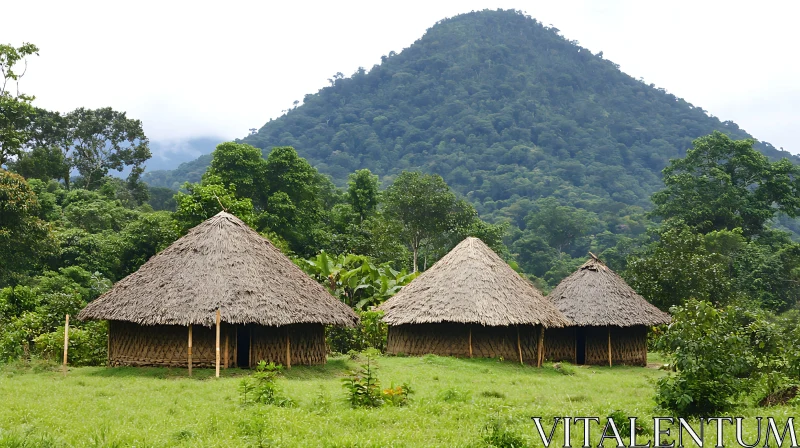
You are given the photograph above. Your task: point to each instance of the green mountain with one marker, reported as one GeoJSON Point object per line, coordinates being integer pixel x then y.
{"type": "Point", "coordinates": [507, 111]}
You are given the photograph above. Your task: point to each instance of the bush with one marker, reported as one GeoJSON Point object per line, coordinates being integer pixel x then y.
{"type": "Point", "coordinates": [497, 435]}
{"type": "Point", "coordinates": [88, 344]}
{"type": "Point", "coordinates": [710, 354]}
{"type": "Point", "coordinates": [370, 333]}
{"type": "Point", "coordinates": [363, 386]}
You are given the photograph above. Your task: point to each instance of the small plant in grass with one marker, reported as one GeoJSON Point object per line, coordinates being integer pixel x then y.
{"type": "Point", "coordinates": [493, 394]}
{"type": "Point", "coordinates": [261, 387]}
{"type": "Point", "coordinates": [497, 435]}
{"type": "Point", "coordinates": [454, 395]}
{"type": "Point", "coordinates": [397, 396]}
{"type": "Point", "coordinates": [564, 368]}
{"type": "Point", "coordinates": [363, 387]}
{"type": "Point", "coordinates": [623, 423]}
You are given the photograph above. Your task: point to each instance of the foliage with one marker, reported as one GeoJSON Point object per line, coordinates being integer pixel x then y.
{"type": "Point", "coordinates": [25, 239]}
{"type": "Point", "coordinates": [261, 387]}
{"type": "Point", "coordinates": [355, 279]}
{"type": "Point", "coordinates": [711, 355]}
{"type": "Point", "coordinates": [397, 395]}
{"type": "Point", "coordinates": [87, 344]}
{"type": "Point", "coordinates": [371, 332]}
{"type": "Point", "coordinates": [362, 193]}
{"type": "Point", "coordinates": [363, 387]}
{"type": "Point", "coordinates": [723, 184]}
{"type": "Point", "coordinates": [15, 107]}
{"type": "Point", "coordinates": [206, 199]}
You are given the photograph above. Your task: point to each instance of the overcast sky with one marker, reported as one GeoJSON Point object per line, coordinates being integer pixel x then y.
{"type": "Point", "coordinates": [188, 70]}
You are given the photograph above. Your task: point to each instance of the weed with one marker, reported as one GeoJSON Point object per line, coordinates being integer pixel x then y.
{"type": "Point", "coordinates": [564, 368]}
{"type": "Point", "coordinates": [497, 435]}
{"type": "Point", "coordinates": [261, 386]}
{"type": "Point", "coordinates": [454, 395]}
{"type": "Point", "coordinates": [363, 387]}
{"type": "Point", "coordinates": [493, 394]}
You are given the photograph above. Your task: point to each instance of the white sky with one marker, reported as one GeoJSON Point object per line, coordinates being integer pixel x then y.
{"type": "Point", "coordinates": [190, 69]}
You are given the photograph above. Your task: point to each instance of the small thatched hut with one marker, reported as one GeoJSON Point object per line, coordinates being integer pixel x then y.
{"type": "Point", "coordinates": [165, 313]}
{"type": "Point", "coordinates": [470, 303]}
{"type": "Point", "coordinates": [609, 319]}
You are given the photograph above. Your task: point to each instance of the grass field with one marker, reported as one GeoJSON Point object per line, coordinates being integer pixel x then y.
{"type": "Point", "coordinates": [453, 402]}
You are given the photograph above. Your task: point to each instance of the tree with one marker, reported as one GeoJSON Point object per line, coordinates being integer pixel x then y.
{"type": "Point", "coordinates": [363, 192]}
{"type": "Point", "coordinates": [678, 267]}
{"type": "Point", "coordinates": [242, 167]}
{"type": "Point", "coordinates": [42, 162]}
{"type": "Point", "coordinates": [25, 239]}
{"type": "Point", "coordinates": [104, 139]}
{"type": "Point", "coordinates": [723, 184]}
{"type": "Point", "coordinates": [15, 107]}
{"type": "Point", "coordinates": [560, 225]}
{"type": "Point", "coordinates": [208, 198]}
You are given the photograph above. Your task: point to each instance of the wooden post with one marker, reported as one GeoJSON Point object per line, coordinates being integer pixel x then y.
{"type": "Point", "coordinates": [108, 346]}
{"type": "Point", "coordinates": [217, 345]}
{"type": "Point", "coordinates": [236, 346]}
{"type": "Point", "coordinates": [519, 347]}
{"type": "Point", "coordinates": [540, 348]}
{"type": "Point", "coordinates": [250, 350]}
{"type": "Point", "coordinates": [190, 349]}
{"type": "Point", "coordinates": [470, 341]}
{"type": "Point", "coordinates": [227, 330]}
{"type": "Point", "coordinates": [609, 346]}
{"type": "Point", "coordinates": [66, 344]}
{"type": "Point", "coordinates": [288, 350]}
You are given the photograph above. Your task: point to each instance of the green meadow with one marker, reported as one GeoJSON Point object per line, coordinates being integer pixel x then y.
{"type": "Point", "coordinates": [456, 402]}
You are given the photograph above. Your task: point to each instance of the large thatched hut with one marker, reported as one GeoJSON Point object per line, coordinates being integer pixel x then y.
{"type": "Point", "coordinates": [165, 314]}
{"type": "Point", "coordinates": [470, 303]}
{"type": "Point", "coordinates": [609, 319]}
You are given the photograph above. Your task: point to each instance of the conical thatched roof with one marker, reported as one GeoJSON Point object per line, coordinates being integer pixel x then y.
{"type": "Point", "coordinates": [471, 284]}
{"type": "Point", "coordinates": [594, 295]}
{"type": "Point", "coordinates": [222, 263]}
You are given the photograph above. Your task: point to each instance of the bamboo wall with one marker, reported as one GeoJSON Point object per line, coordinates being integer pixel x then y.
{"type": "Point", "coordinates": [130, 344]}
{"type": "Point", "coordinates": [306, 344]}
{"type": "Point", "coordinates": [559, 344]}
{"type": "Point", "coordinates": [628, 345]}
{"type": "Point", "coordinates": [453, 339]}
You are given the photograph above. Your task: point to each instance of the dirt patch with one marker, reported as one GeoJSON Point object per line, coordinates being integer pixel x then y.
{"type": "Point", "coordinates": [779, 398]}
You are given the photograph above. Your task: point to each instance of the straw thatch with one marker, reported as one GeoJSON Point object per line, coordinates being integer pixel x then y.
{"type": "Point", "coordinates": [220, 264]}
{"type": "Point", "coordinates": [471, 284]}
{"type": "Point", "coordinates": [594, 295]}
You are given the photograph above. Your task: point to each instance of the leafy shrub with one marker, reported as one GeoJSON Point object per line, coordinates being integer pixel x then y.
{"type": "Point", "coordinates": [261, 386]}
{"type": "Point", "coordinates": [371, 332]}
{"type": "Point", "coordinates": [623, 423]}
{"type": "Point", "coordinates": [87, 344]}
{"type": "Point", "coordinates": [493, 394]}
{"type": "Point", "coordinates": [710, 356]}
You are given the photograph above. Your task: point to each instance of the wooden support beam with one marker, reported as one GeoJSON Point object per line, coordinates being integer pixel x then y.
{"type": "Point", "coordinates": [217, 345]}
{"type": "Point", "coordinates": [288, 350]}
{"type": "Point", "coordinates": [66, 343]}
{"type": "Point", "coordinates": [540, 355]}
{"type": "Point", "coordinates": [609, 346]}
{"type": "Point", "coordinates": [519, 347]}
{"type": "Point", "coordinates": [227, 330]}
{"type": "Point", "coordinates": [190, 349]}
{"type": "Point", "coordinates": [108, 345]}
{"type": "Point", "coordinates": [470, 341]}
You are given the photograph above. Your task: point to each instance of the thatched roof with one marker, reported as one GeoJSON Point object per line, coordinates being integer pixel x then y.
{"type": "Point", "coordinates": [471, 284]}
{"type": "Point", "coordinates": [222, 263]}
{"type": "Point", "coordinates": [594, 295]}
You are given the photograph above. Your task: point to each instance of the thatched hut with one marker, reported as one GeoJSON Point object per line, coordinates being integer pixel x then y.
{"type": "Point", "coordinates": [224, 278]}
{"type": "Point", "coordinates": [470, 303]}
{"type": "Point", "coordinates": [609, 319]}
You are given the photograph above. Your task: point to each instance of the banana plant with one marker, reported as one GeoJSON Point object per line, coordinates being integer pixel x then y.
{"type": "Point", "coordinates": [355, 279]}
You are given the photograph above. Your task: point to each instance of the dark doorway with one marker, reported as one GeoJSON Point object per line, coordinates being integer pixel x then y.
{"type": "Point", "coordinates": [580, 345]}
{"type": "Point", "coordinates": [243, 346]}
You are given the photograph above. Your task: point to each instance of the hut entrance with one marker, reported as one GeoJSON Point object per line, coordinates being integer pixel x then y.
{"type": "Point", "coordinates": [580, 345]}
{"type": "Point", "coordinates": [243, 346]}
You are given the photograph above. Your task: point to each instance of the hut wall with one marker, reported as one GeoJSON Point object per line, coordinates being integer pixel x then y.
{"type": "Point", "coordinates": [452, 339]}
{"type": "Point", "coordinates": [130, 344]}
{"type": "Point", "coordinates": [306, 344]}
{"type": "Point", "coordinates": [628, 345]}
{"type": "Point", "coordinates": [560, 344]}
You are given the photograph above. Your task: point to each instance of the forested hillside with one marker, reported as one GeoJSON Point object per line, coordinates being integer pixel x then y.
{"type": "Point", "coordinates": [507, 111]}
